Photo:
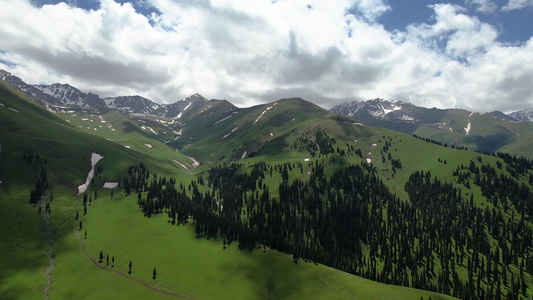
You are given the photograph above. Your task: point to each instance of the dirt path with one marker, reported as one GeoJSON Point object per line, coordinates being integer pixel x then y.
{"type": "Point", "coordinates": [95, 262]}
{"type": "Point", "coordinates": [49, 231]}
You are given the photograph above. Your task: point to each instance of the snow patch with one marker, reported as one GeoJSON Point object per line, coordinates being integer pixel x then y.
{"type": "Point", "coordinates": [406, 118]}
{"type": "Point", "coordinates": [260, 116]}
{"type": "Point", "coordinates": [232, 131]}
{"type": "Point", "coordinates": [149, 145]}
{"type": "Point", "coordinates": [181, 164]}
{"type": "Point", "coordinates": [368, 161]}
{"type": "Point", "coordinates": [359, 124]}
{"type": "Point", "coordinates": [188, 105]}
{"type": "Point", "coordinates": [127, 146]}
{"type": "Point", "coordinates": [12, 109]}
{"type": "Point", "coordinates": [222, 120]}
{"type": "Point", "coordinates": [110, 185]}
{"type": "Point", "coordinates": [374, 145]}
{"type": "Point", "coordinates": [195, 163]}
{"type": "Point", "coordinates": [244, 154]}
{"type": "Point", "coordinates": [149, 128]}
{"type": "Point", "coordinates": [95, 158]}
{"type": "Point", "coordinates": [307, 159]}
{"type": "Point", "coordinates": [468, 127]}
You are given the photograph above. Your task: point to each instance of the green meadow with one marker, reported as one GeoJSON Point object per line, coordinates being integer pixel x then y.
{"type": "Point", "coordinates": [186, 267]}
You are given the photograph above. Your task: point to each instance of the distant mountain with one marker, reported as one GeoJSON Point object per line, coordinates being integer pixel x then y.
{"type": "Point", "coordinates": [183, 107]}
{"type": "Point", "coordinates": [132, 104]}
{"type": "Point", "coordinates": [56, 96]}
{"type": "Point", "coordinates": [69, 95]}
{"type": "Point", "coordinates": [525, 115]}
{"type": "Point", "coordinates": [501, 115]}
{"type": "Point", "coordinates": [489, 132]}
{"type": "Point", "coordinates": [388, 110]}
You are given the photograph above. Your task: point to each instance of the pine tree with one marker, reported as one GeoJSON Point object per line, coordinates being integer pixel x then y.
{"type": "Point", "coordinates": [101, 257]}
{"type": "Point", "coordinates": [81, 225]}
{"type": "Point", "coordinates": [85, 233]}
{"type": "Point", "coordinates": [129, 270]}
{"type": "Point", "coordinates": [77, 216]}
{"type": "Point", "coordinates": [113, 261]}
{"type": "Point", "coordinates": [154, 274]}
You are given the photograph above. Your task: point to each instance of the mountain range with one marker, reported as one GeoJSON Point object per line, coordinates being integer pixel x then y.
{"type": "Point", "coordinates": [487, 132]}
{"type": "Point", "coordinates": [57, 97]}
{"type": "Point", "coordinates": [334, 207]}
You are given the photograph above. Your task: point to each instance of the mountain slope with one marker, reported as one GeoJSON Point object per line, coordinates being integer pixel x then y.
{"type": "Point", "coordinates": [525, 115]}
{"type": "Point", "coordinates": [63, 97]}
{"type": "Point", "coordinates": [302, 186]}
{"type": "Point", "coordinates": [490, 132]}
{"type": "Point", "coordinates": [53, 240]}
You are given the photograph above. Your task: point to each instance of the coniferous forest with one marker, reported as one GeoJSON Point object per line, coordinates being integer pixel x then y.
{"type": "Point", "coordinates": [437, 239]}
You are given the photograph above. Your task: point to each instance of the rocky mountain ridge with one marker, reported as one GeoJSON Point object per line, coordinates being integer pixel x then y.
{"type": "Point", "coordinates": [58, 96]}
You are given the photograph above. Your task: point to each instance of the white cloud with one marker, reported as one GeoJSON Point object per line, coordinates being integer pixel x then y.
{"type": "Point", "coordinates": [369, 9]}
{"type": "Point", "coordinates": [483, 6]}
{"type": "Point", "coordinates": [517, 4]}
{"type": "Point", "coordinates": [255, 52]}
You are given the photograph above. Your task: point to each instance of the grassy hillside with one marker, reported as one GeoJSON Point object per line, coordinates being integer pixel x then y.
{"type": "Point", "coordinates": [44, 249]}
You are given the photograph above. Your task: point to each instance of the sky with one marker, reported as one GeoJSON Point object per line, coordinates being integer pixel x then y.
{"type": "Point", "coordinates": [469, 54]}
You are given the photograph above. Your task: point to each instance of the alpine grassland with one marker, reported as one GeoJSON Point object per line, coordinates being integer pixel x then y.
{"type": "Point", "coordinates": [278, 201]}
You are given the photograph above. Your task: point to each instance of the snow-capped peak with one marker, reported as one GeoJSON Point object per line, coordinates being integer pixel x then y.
{"type": "Point", "coordinates": [523, 115]}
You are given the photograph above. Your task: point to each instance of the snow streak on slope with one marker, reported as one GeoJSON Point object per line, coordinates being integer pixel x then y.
{"type": "Point", "coordinates": [267, 109]}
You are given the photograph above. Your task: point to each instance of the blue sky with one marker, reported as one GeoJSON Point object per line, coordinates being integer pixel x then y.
{"type": "Point", "coordinates": [514, 26]}
{"type": "Point", "coordinates": [472, 54]}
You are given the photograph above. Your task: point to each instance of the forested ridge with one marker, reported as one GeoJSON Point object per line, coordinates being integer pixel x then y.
{"type": "Point", "coordinates": [439, 238]}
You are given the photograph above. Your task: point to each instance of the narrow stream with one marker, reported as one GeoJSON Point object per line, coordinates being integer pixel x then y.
{"type": "Point", "coordinates": [50, 231]}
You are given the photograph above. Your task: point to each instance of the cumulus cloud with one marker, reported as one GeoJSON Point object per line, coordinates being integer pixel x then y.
{"type": "Point", "coordinates": [483, 6]}
{"type": "Point", "coordinates": [369, 9]}
{"type": "Point", "coordinates": [517, 4]}
{"type": "Point", "coordinates": [256, 52]}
